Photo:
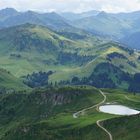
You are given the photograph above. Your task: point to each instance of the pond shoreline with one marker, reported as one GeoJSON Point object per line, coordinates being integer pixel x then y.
{"type": "Point", "coordinates": [118, 110]}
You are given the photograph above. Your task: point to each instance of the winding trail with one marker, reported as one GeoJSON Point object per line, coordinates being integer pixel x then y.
{"type": "Point", "coordinates": [77, 114]}
{"type": "Point", "coordinates": [99, 125]}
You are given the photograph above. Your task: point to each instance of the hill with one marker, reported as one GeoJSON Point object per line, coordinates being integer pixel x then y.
{"type": "Point", "coordinates": [47, 47]}
{"type": "Point", "coordinates": [41, 105]}
{"type": "Point", "coordinates": [111, 58]}
{"type": "Point", "coordinates": [29, 48]}
{"type": "Point", "coordinates": [47, 114]}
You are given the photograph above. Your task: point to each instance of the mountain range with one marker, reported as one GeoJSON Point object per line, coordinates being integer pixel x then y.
{"type": "Point", "coordinates": [10, 17]}
{"type": "Point", "coordinates": [32, 42]}
{"type": "Point", "coordinates": [58, 69]}
{"type": "Point", "coordinates": [32, 48]}
{"type": "Point", "coordinates": [118, 27]}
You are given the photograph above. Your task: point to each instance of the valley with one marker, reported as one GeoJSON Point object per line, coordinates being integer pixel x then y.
{"type": "Point", "coordinates": [69, 76]}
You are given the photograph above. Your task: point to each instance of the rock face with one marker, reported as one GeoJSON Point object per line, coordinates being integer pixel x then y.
{"type": "Point", "coordinates": [39, 104]}
{"type": "Point", "coordinates": [58, 97]}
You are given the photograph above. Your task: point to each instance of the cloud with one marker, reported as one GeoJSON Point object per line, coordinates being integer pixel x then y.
{"type": "Point", "coordinates": [72, 5]}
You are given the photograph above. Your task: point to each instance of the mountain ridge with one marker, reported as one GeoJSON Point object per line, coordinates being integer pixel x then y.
{"type": "Point", "coordinates": [60, 53]}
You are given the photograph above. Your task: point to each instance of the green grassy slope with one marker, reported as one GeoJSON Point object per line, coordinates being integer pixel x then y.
{"type": "Point", "coordinates": [101, 53]}
{"type": "Point", "coordinates": [8, 81]}
{"type": "Point", "coordinates": [124, 128]}
{"type": "Point", "coordinates": [47, 49]}
{"type": "Point", "coordinates": [47, 114]}
{"type": "Point", "coordinates": [30, 48]}
{"type": "Point", "coordinates": [44, 105]}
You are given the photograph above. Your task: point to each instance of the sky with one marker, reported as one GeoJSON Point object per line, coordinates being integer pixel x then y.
{"type": "Point", "coordinates": [77, 6]}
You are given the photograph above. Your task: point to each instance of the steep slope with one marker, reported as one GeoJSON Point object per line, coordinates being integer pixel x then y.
{"type": "Point", "coordinates": [107, 75]}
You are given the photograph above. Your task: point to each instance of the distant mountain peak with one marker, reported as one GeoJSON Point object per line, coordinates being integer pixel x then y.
{"type": "Point", "coordinates": [102, 14]}
{"type": "Point", "coordinates": [30, 13]}
{"type": "Point", "coordinates": [54, 14]}
{"type": "Point", "coordinates": [8, 10]}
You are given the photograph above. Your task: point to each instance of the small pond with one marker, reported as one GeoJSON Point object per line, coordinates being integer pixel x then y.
{"type": "Point", "coordinates": [118, 110]}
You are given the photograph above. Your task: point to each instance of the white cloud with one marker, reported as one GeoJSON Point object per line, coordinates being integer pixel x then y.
{"type": "Point", "coordinates": [72, 5]}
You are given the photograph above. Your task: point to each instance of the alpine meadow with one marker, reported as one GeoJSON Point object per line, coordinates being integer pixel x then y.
{"type": "Point", "coordinates": [69, 70]}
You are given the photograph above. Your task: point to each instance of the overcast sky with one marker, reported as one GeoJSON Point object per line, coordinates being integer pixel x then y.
{"type": "Point", "coordinates": [72, 5]}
